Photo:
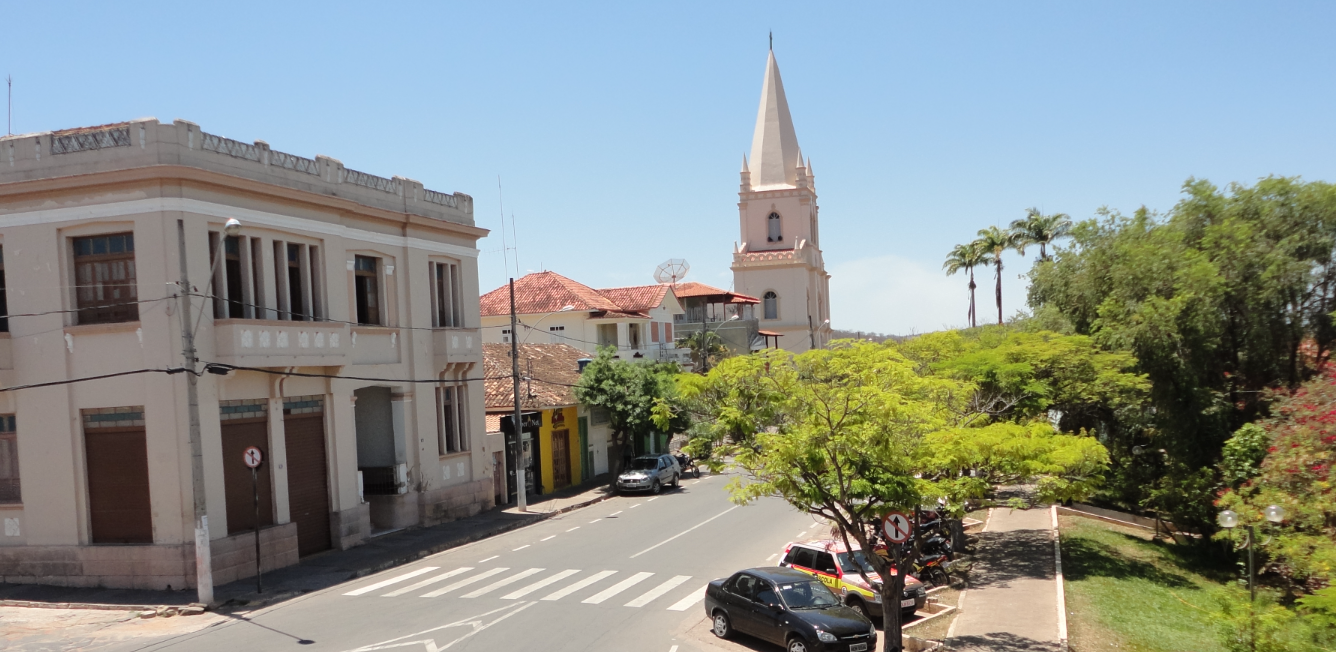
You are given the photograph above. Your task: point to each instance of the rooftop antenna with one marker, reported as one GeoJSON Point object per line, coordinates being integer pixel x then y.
{"type": "Point", "coordinates": [505, 256]}
{"type": "Point", "coordinates": [772, 41]}
{"type": "Point", "coordinates": [9, 79]}
{"type": "Point", "coordinates": [671, 271]}
{"type": "Point", "coordinates": [515, 238]}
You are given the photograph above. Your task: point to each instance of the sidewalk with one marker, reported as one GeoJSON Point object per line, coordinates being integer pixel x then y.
{"type": "Point", "coordinates": [327, 568]}
{"type": "Point", "coordinates": [1011, 602]}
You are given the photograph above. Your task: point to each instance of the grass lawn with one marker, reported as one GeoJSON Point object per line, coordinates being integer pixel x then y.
{"type": "Point", "coordinates": [1126, 592]}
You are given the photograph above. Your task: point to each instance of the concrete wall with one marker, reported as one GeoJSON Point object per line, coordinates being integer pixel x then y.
{"type": "Point", "coordinates": [144, 181]}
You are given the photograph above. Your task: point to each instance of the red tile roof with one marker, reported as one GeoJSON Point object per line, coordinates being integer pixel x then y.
{"type": "Point", "coordinates": [548, 373]}
{"type": "Point", "coordinates": [544, 292]}
{"type": "Point", "coordinates": [638, 298]}
{"type": "Point", "coordinates": [694, 289]}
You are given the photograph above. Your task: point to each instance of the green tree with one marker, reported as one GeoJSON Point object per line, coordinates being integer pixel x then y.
{"type": "Point", "coordinates": [857, 430]}
{"type": "Point", "coordinates": [636, 396]}
{"type": "Point", "coordinates": [1039, 229]}
{"type": "Point", "coordinates": [996, 241]}
{"type": "Point", "coordinates": [1223, 298]}
{"type": "Point", "coordinates": [967, 257]}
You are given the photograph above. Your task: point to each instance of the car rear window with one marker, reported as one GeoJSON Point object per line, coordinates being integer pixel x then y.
{"type": "Point", "coordinates": [800, 556]}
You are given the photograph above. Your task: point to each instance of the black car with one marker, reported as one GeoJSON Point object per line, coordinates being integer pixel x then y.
{"type": "Point", "coordinates": [788, 607]}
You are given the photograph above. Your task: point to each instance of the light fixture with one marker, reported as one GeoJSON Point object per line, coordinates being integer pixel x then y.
{"type": "Point", "coordinates": [1228, 519]}
{"type": "Point", "coordinates": [567, 309]}
{"type": "Point", "coordinates": [1137, 450]}
{"type": "Point", "coordinates": [232, 227]}
{"type": "Point", "coordinates": [1275, 513]}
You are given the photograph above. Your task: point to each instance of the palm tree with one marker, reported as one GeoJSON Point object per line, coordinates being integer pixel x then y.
{"type": "Point", "coordinates": [1040, 229]}
{"type": "Point", "coordinates": [967, 257]}
{"type": "Point", "coordinates": [995, 240]}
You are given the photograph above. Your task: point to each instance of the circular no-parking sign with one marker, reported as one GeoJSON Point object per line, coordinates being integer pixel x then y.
{"type": "Point", "coordinates": [252, 457]}
{"type": "Point", "coordinates": [897, 527]}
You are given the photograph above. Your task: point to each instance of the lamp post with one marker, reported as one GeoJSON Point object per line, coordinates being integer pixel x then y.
{"type": "Point", "coordinates": [705, 341]}
{"type": "Point", "coordinates": [1229, 519]}
{"type": "Point", "coordinates": [540, 320]}
{"type": "Point", "coordinates": [203, 556]}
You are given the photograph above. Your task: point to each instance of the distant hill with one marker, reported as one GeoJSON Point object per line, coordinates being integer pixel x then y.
{"type": "Point", "coordinates": [838, 334]}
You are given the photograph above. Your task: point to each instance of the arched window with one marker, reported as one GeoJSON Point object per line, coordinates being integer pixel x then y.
{"type": "Point", "coordinates": [775, 234]}
{"type": "Point", "coordinates": [771, 303]}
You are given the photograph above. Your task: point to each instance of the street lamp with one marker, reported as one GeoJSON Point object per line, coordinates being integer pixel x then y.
{"type": "Point", "coordinates": [1229, 519]}
{"type": "Point", "coordinates": [540, 320]}
{"type": "Point", "coordinates": [705, 341]}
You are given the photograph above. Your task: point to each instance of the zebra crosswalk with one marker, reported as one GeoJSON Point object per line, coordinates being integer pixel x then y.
{"type": "Point", "coordinates": [605, 585]}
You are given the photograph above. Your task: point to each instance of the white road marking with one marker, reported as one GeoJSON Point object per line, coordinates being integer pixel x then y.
{"type": "Point", "coordinates": [653, 499]}
{"type": "Point", "coordinates": [573, 529]}
{"type": "Point", "coordinates": [500, 583]}
{"type": "Point", "coordinates": [623, 585]}
{"type": "Point", "coordinates": [595, 521]}
{"type": "Point", "coordinates": [551, 537]}
{"type": "Point", "coordinates": [464, 582]}
{"type": "Point", "coordinates": [636, 505]}
{"type": "Point", "coordinates": [489, 558]}
{"type": "Point", "coordinates": [538, 585]}
{"type": "Point", "coordinates": [658, 591]}
{"type": "Point", "coordinates": [616, 512]}
{"type": "Point", "coordinates": [672, 649]}
{"type": "Point", "coordinates": [772, 557]}
{"type": "Point", "coordinates": [475, 622]}
{"type": "Point", "coordinates": [429, 581]}
{"type": "Point", "coordinates": [578, 585]}
{"type": "Point", "coordinates": [687, 602]}
{"type": "Point", "coordinates": [683, 532]}
{"type": "Point", "coordinates": [802, 534]}
{"type": "Point", "coordinates": [392, 580]}
{"type": "Point", "coordinates": [521, 548]}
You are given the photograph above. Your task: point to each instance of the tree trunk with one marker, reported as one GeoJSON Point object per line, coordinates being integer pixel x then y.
{"type": "Point", "coordinates": [891, 589]}
{"type": "Point", "coordinates": [616, 455]}
{"type": "Point", "coordinates": [973, 321]}
{"type": "Point", "coordinates": [999, 290]}
{"type": "Point", "coordinates": [1043, 253]}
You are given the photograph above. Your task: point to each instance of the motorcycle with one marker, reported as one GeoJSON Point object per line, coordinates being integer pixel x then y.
{"type": "Point", "coordinates": [685, 461]}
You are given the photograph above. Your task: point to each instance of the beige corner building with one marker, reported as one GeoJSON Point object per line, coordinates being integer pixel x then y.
{"type": "Point", "coordinates": [349, 302]}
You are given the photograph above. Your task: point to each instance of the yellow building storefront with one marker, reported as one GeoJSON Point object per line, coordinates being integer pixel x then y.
{"type": "Point", "coordinates": [559, 450]}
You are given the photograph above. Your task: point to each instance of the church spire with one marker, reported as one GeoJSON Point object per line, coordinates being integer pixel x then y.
{"type": "Point", "coordinates": [774, 144]}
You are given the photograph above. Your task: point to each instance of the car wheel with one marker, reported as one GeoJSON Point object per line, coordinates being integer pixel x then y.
{"type": "Point", "coordinates": [722, 627]}
{"type": "Point", "coordinates": [655, 488]}
{"type": "Point", "coordinates": [796, 644]}
{"type": "Point", "coordinates": [863, 609]}
{"type": "Point", "coordinates": [675, 481]}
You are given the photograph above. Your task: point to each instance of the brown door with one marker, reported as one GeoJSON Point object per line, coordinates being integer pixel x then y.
{"type": "Point", "coordinates": [561, 458]}
{"type": "Point", "coordinates": [238, 486]}
{"type": "Point", "coordinates": [308, 482]}
{"type": "Point", "coordinates": [118, 496]}
{"type": "Point", "coordinates": [499, 477]}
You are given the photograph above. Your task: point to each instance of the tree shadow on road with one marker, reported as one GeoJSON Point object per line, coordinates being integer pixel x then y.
{"type": "Point", "coordinates": [1000, 642]}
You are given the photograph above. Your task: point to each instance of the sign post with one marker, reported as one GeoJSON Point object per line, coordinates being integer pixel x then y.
{"type": "Point", "coordinates": [897, 527]}
{"type": "Point", "coordinates": [253, 458]}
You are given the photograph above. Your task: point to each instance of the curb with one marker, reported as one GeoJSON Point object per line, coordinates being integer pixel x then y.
{"type": "Point", "coordinates": [418, 554]}
{"type": "Point", "coordinates": [1062, 593]}
{"type": "Point", "coordinates": [85, 605]}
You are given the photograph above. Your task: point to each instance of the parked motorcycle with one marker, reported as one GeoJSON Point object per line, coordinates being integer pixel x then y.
{"type": "Point", "coordinates": [685, 461]}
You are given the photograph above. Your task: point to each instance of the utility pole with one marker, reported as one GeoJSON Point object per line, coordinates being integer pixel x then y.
{"type": "Point", "coordinates": [203, 561]}
{"type": "Point", "coordinates": [521, 497]}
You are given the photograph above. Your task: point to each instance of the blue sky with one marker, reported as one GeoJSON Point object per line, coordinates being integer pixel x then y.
{"type": "Point", "coordinates": [618, 129]}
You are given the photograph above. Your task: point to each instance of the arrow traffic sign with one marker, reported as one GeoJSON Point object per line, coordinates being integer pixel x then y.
{"type": "Point", "coordinates": [896, 527]}
{"type": "Point", "coordinates": [252, 457]}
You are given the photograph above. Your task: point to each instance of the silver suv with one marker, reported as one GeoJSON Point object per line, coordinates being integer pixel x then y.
{"type": "Point", "coordinates": [649, 473]}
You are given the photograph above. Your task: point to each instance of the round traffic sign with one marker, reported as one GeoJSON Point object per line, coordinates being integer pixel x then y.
{"type": "Point", "coordinates": [252, 457]}
{"type": "Point", "coordinates": [896, 527]}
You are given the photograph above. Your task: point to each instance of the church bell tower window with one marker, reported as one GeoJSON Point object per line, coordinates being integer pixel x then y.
{"type": "Point", "coordinates": [775, 234]}
{"type": "Point", "coordinates": [771, 301]}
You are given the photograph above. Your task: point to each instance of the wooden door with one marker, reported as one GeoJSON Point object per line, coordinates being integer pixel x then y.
{"type": "Point", "coordinates": [561, 458]}
{"type": "Point", "coordinates": [499, 477]}
{"type": "Point", "coordinates": [118, 492]}
{"type": "Point", "coordinates": [308, 481]}
{"type": "Point", "coordinates": [238, 485]}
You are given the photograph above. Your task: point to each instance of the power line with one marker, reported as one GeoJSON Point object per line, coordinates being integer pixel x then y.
{"type": "Point", "coordinates": [71, 381]}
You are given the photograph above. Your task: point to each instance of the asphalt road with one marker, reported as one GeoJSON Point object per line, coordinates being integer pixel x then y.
{"type": "Point", "coordinates": [624, 574]}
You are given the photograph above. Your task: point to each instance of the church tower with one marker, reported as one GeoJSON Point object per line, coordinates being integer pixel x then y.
{"type": "Point", "coordinates": [778, 258]}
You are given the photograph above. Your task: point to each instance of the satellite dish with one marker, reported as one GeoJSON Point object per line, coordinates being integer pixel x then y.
{"type": "Point", "coordinates": [671, 271]}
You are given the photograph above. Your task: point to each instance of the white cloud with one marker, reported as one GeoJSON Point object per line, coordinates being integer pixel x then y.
{"type": "Point", "coordinates": [898, 296]}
